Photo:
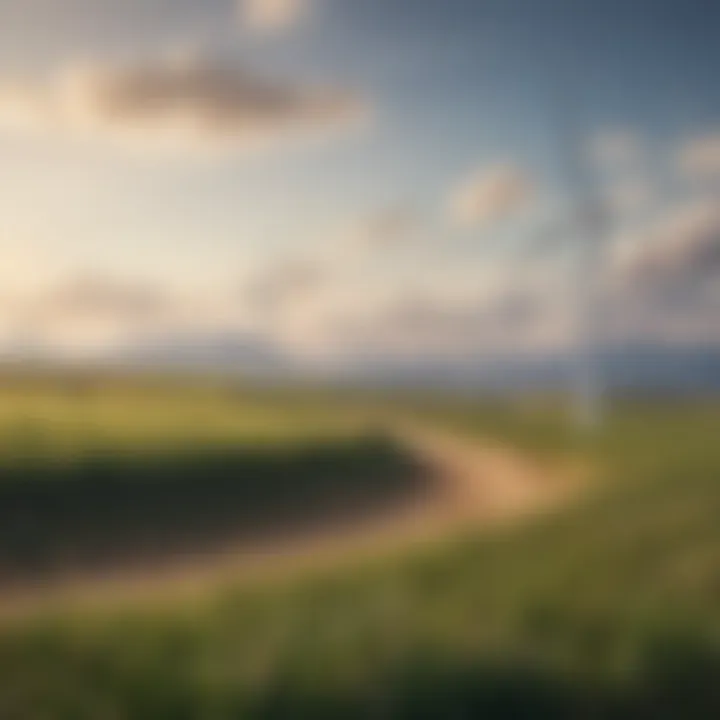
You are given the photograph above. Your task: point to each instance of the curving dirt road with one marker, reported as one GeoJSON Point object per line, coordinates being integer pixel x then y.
{"type": "Point", "coordinates": [468, 485]}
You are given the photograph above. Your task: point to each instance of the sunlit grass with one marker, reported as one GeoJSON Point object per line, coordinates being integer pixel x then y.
{"type": "Point", "coordinates": [61, 421]}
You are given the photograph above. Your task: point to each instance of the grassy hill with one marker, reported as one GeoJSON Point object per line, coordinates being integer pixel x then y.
{"type": "Point", "coordinates": [611, 608]}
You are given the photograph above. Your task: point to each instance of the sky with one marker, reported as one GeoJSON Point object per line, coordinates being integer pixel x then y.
{"type": "Point", "coordinates": [344, 179]}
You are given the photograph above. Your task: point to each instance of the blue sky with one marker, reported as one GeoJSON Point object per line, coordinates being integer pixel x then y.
{"type": "Point", "coordinates": [421, 102]}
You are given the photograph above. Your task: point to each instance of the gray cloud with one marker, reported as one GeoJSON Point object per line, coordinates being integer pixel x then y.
{"type": "Point", "coordinates": [682, 250]}
{"type": "Point", "coordinates": [667, 287]}
{"type": "Point", "coordinates": [180, 100]}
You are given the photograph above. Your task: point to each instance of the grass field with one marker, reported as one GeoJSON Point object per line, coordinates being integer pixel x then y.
{"type": "Point", "coordinates": [608, 608]}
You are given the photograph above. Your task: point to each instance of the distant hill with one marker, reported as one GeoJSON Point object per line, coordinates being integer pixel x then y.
{"type": "Point", "coordinates": [642, 368]}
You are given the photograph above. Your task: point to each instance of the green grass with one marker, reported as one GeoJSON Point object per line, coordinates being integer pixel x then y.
{"type": "Point", "coordinates": [51, 420]}
{"type": "Point", "coordinates": [610, 609]}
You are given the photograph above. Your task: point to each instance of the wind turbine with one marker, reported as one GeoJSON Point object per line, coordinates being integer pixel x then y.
{"type": "Point", "coordinates": [589, 223]}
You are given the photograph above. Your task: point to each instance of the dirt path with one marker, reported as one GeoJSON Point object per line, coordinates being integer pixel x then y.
{"type": "Point", "coordinates": [486, 482]}
{"type": "Point", "coordinates": [469, 485]}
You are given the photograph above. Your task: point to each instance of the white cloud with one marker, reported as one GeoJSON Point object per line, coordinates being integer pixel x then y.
{"type": "Point", "coordinates": [178, 102]}
{"type": "Point", "coordinates": [490, 196]}
{"type": "Point", "coordinates": [272, 16]}
{"type": "Point", "coordinates": [665, 287]}
{"type": "Point", "coordinates": [699, 157]}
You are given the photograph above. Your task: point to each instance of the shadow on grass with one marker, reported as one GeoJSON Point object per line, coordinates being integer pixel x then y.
{"type": "Point", "coordinates": [108, 512]}
{"type": "Point", "coordinates": [675, 680]}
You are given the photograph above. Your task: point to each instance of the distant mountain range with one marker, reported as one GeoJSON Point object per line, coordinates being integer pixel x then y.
{"type": "Point", "coordinates": [643, 367]}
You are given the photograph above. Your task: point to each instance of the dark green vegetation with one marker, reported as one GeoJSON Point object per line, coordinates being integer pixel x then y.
{"type": "Point", "coordinates": [116, 511]}
{"type": "Point", "coordinates": [609, 609]}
